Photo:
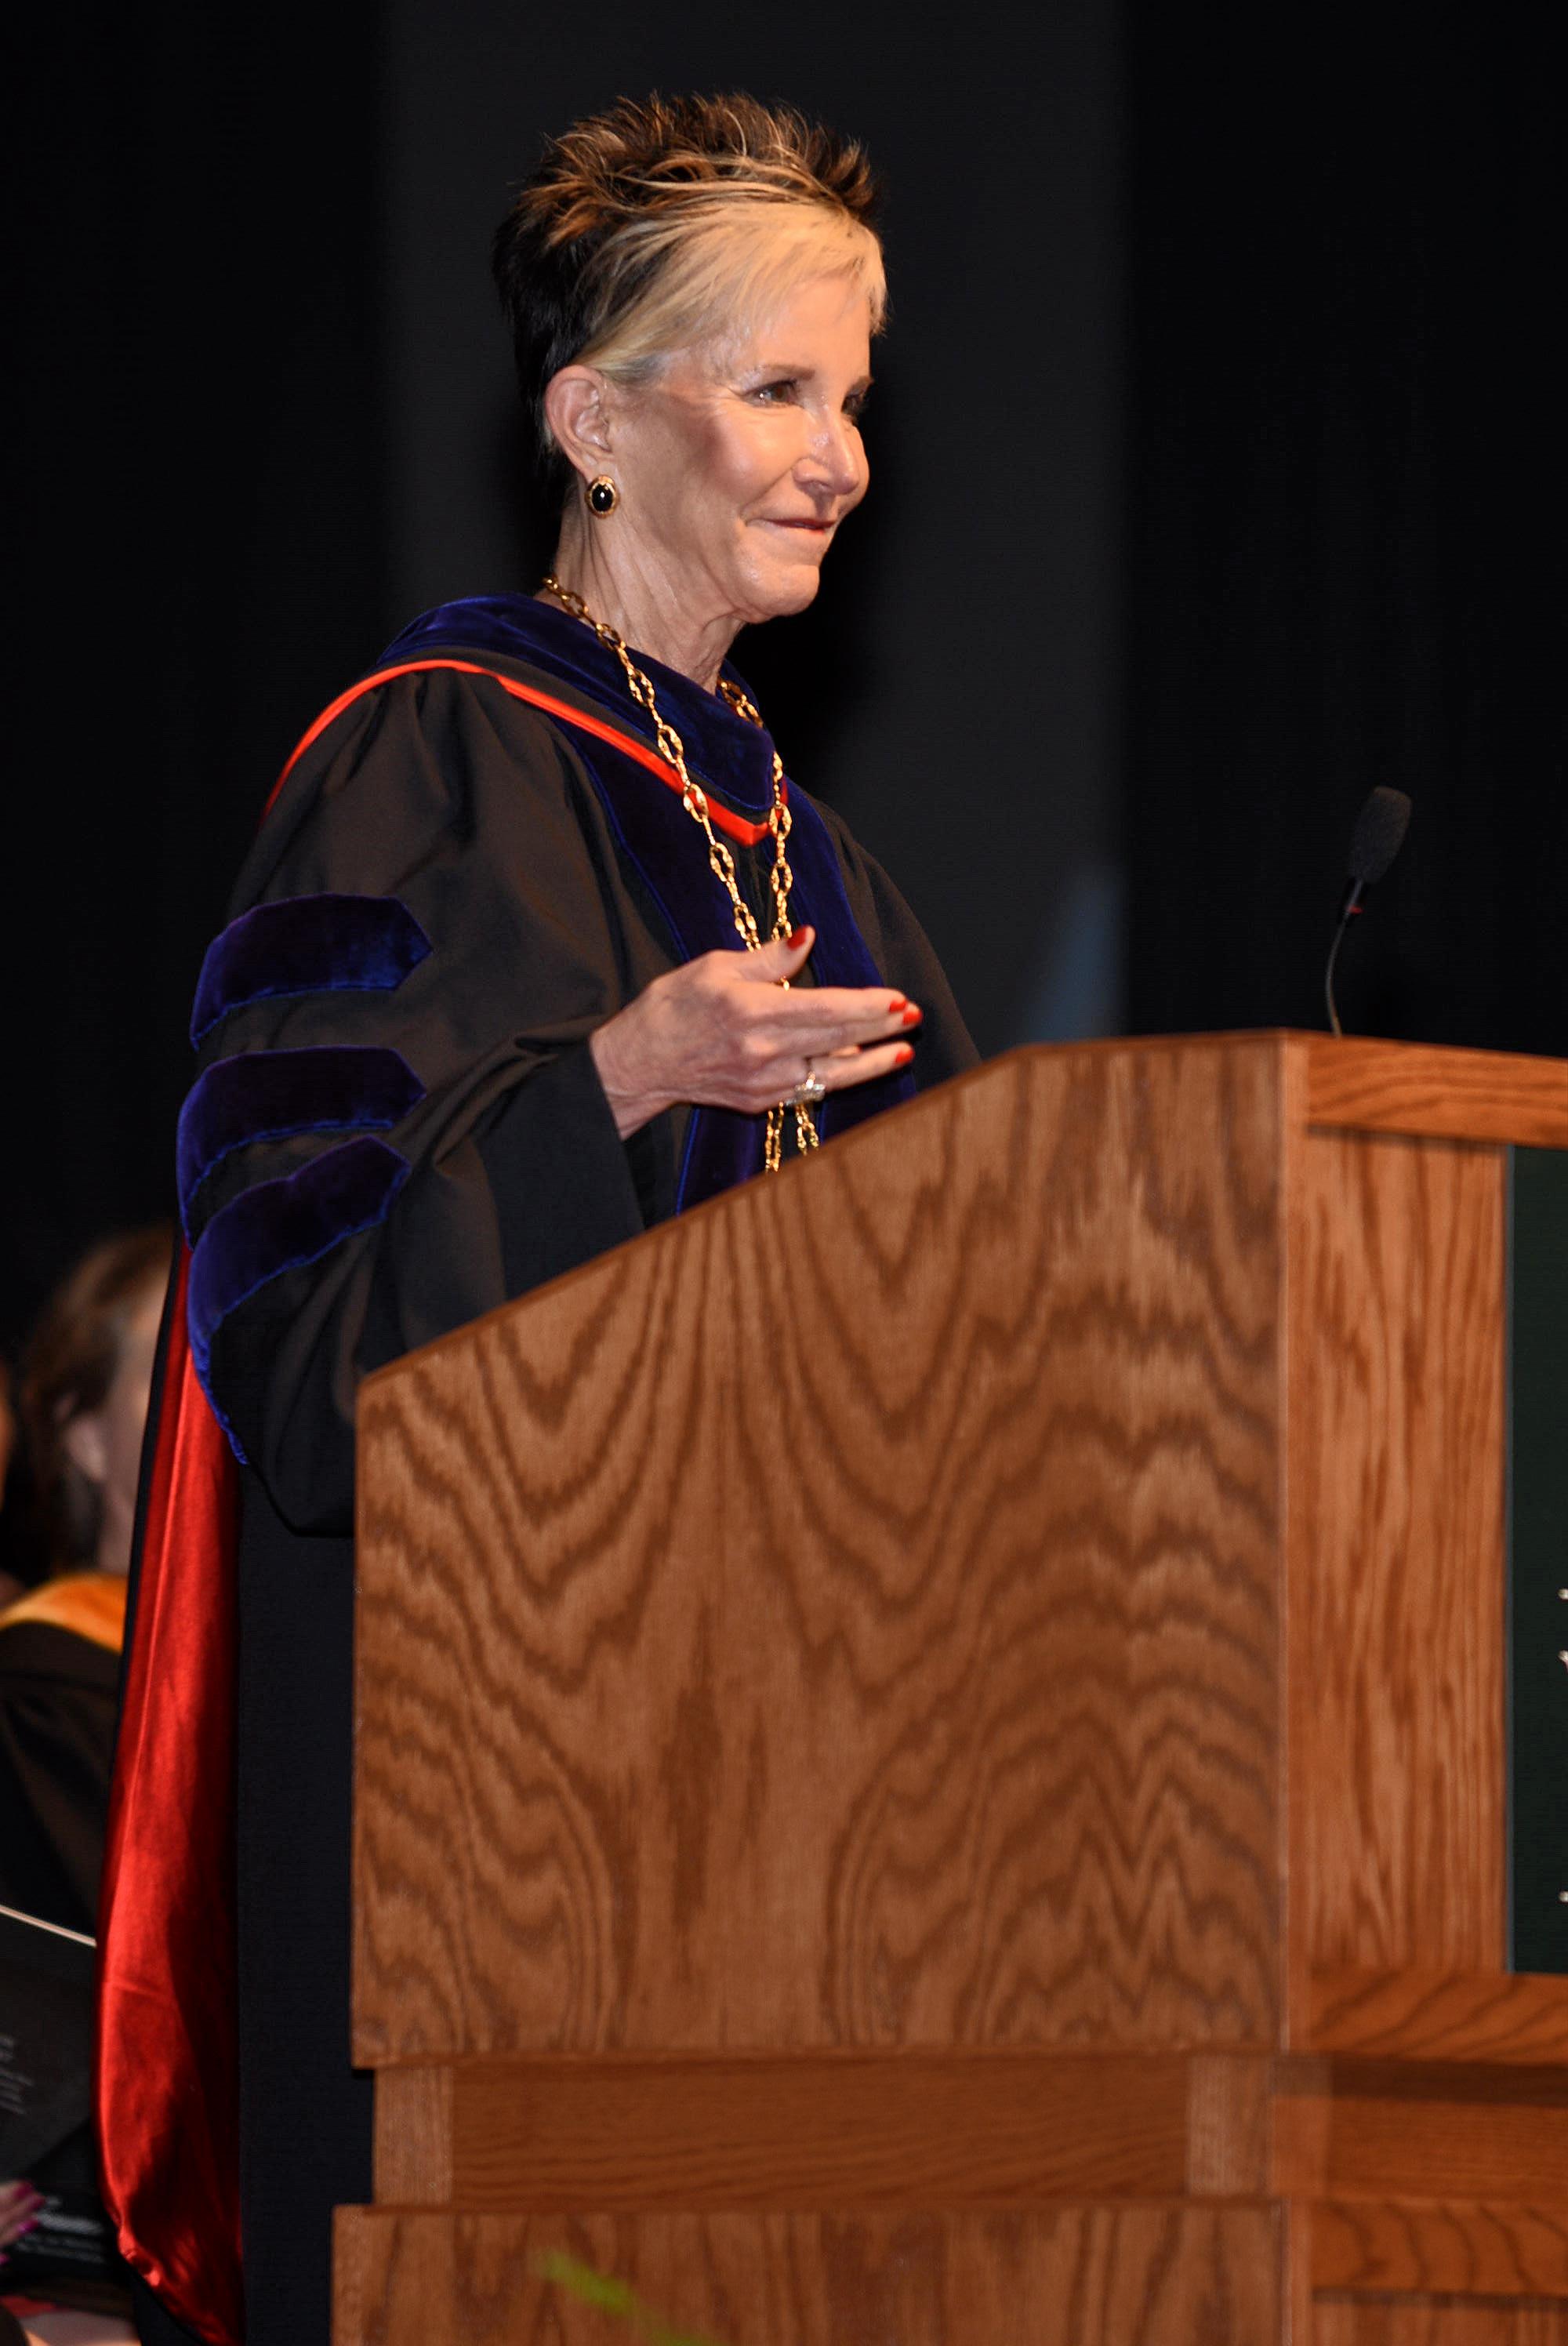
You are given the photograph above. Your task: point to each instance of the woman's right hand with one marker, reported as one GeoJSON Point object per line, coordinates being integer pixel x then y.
{"type": "Point", "coordinates": [723, 1031]}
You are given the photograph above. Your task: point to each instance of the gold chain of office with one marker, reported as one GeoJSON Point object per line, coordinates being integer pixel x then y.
{"type": "Point", "coordinates": [694, 798]}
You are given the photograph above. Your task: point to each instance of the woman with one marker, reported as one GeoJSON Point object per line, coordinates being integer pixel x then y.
{"type": "Point", "coordinates": [536, 902]}
{"type": "Point", "coordinates": [83, 1404]}
{"type": "Point", "coordinates": [84, 1400]}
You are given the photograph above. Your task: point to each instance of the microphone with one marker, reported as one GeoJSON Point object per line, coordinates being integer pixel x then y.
{"type": "Point", "coordinates": [1379, 835]}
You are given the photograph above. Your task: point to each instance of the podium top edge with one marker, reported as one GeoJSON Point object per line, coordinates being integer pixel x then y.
{"type": "Point", "coordinates": [1354, 1084]}
{"type": "Point", "coordinates": [1360, 1083]}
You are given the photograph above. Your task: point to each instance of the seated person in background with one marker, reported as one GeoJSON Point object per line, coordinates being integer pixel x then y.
{"type": "Point", "coordinates": [11, 1586]}
{"type": "Point", "coordinates": [83, 1397]}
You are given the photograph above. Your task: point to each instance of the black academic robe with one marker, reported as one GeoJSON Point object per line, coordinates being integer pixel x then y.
{"type": "Point", "coordinates": [59, 1697]}
{"type": "Point", "coordinates": [397, 1126]}
{"type": "Point", "coordinates": [59, 1686]}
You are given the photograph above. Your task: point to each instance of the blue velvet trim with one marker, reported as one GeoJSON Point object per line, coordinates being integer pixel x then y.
{"type": "Point", "coordinates": [728, 754]}
{"type": "Point", "coordinates": [655, 831]}
{"type": "Point", "coordinates": [282, 1226]}
{"type": "Point", "coordinates": [266, 1095]}
{"type": "Point", "coordinates": [307, 944]}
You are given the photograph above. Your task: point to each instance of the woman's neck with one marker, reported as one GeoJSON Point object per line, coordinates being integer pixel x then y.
{"type": "Point", "coordinates": [628, 588]}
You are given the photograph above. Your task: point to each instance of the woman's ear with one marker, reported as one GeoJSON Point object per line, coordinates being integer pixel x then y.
{"type": "Point", "coordinates": [576, 408]}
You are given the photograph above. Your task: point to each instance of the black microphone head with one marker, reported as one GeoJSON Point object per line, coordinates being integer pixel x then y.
{"type": "Point", "coordinates": [1380, 834]}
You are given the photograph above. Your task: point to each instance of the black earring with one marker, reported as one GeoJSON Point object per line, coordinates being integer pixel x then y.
{"type": "Point", "coordinates": [603, 496]}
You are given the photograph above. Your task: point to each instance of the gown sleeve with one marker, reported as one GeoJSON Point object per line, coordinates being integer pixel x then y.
{"type": "Point", "coordinates": [397, 1123]}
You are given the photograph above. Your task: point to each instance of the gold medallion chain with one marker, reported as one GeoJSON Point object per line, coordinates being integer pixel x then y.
{"type": "Point", "coordinates": [694, 798]}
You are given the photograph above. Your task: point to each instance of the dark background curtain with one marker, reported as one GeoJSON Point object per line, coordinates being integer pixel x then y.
{"type": "Point", "coordinates": [1344, 506]}
{"type": "Point", "coordinates": [195, 540]}
{"type": "Point", "coordinates": [1214, 480]}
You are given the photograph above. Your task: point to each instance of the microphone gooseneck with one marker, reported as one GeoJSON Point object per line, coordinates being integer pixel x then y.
{"type": "Point", "coordinates": [1379, 835]}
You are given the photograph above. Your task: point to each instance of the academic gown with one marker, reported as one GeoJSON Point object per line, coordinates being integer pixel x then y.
{"type": "Point", "coordinates": [59, 1692]}
{"type": "Point", "coordinates": [476, 858]}
{"type": "Point", "coordinates": [59, 1686]}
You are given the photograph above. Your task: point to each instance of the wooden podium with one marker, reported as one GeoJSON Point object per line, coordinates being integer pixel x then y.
{"type": "Point", "coordinates": [931, 1756]}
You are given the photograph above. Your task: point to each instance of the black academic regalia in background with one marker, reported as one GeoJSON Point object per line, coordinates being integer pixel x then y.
{"type": "Point", "coordinates": [397, 1127]}
{"type": "Point", "coordinates": [59, 1698]}
{"type": "Point", "coordinates": [59, 1692]}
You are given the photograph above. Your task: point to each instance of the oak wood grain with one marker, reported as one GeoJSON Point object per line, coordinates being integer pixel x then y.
{"type": "Point", "coordinates": [1440, 2016]}
{"type": "Point", "coordinates": [1395, 1564]}
{"type": "Point", "coordinates": [1426, 1090]}
{"type": "Point", "coordinates": [1443, 1095]}
{"type": "Point", "coordinates": [847, 2131]}
{"type": "Point", "coordinates": [1299, 2326]}
{"type": "Point", "coordinates": [840, 1646]}
{"type": "Point", "coordinates": [848, 1616]}
{"type": "Point", "coordinates": [1456, 2248]}
{"type": "Point", "coordinates": [1342, 2320]}
{"type": "Point", "coordinates": [1387, 2131]}
{"type": "Point", "coordinates": [1230, 2120]}
{"type": "Point", "coordinates": [1159, 2276]}
{"type": "Point", "coordinates": [411, 2144]}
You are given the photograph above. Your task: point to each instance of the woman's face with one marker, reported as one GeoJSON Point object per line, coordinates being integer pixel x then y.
{"type": "Point", "coordinates": [106, 1444]}
{"type": "Point", "coordinates": [736, 467]}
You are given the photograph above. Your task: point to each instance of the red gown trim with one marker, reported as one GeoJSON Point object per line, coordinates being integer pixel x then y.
{"type": "Point", "coordinates": [168, 2060]}
{"type": "Point", "coordinates": [749, 834]}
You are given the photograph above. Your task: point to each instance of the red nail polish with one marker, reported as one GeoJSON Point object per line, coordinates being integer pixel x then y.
{"type": "Point", "coordinates": [900, 1002]}
{"type": "Point", "coordinates": [914, 1017]}
{"type": "Point", "coordinates": [903, 1055]}
{"type": "Point", "coordinates": [797, 938]}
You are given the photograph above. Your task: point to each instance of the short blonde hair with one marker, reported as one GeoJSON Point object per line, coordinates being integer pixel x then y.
{"type": "Point", "coordinates": [672, 225]}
